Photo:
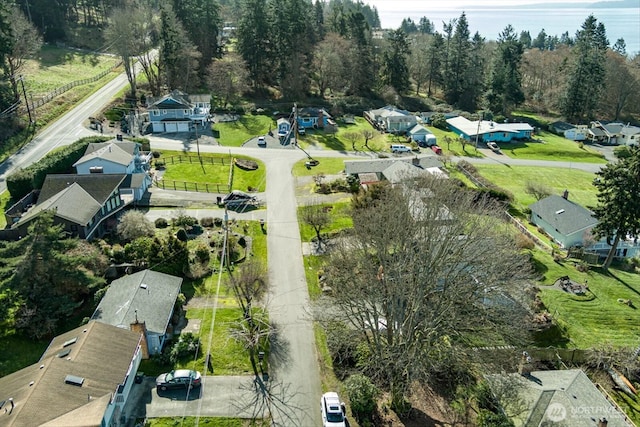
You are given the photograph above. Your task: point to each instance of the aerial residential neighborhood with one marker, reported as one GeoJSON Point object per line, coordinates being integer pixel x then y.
{"type": "Point", "coordinates": [255, 213]}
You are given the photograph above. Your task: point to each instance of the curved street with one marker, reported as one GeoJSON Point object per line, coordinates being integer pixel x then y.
{"type": "Point", "coordinates": [288, 302]}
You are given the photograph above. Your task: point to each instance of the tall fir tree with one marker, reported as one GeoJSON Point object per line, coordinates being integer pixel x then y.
{"type": "Point", "coordinates": [456, 80]}
{"type": "Point", "coordinates": [253, 40]}
{"type": "Point", "coordinates": [506, 80]}
{"type": "Point", "coordinates": [395, 70]}
{"type": "Point", "coordinates": [587, 76]}
{"type": "Point", "coordinates": [178, 56]}
{"type": "Point", "coordinates": [435, 61]}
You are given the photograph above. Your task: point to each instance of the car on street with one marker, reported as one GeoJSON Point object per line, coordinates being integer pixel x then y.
{"type": "Point", "coordinates": [262, 141]}
{"type": "Point", "coordinates": [181, 378]}
{"type": "Point", "coordinates": [237, 197]}
{"type": "Point", "coordinates": [494, 147]}
{"type": "Point", "coordinates": [332, 410]}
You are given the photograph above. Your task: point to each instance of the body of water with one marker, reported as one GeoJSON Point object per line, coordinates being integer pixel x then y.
{"type": "Point", "coordinates": [489, 22]}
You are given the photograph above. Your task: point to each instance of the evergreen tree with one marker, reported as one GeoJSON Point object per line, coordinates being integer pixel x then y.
{"type": "Point", "coordinates": [506, 80]}
{"type": "Point", "coordinates": [618, 208]}
{"type": "Point", "coordinates": [408, 26]}
{"type": "Point", "coordinates": [475, 75]}
{"type": "Point", "coordinates": [456, 82]}
{"type": "Point", "coordinates": [395, 69]}
{"type": "Point", "coordinates": [435, 60]}
{"type": "Point", "coordinates": [201, 22]}
{"type": "Point", "coordinates": [253, 42]}
{"type": "Point", "coordinates": [620, 47]}
{"type": "Point", "coordinates": [178, 56]}
{"type": "Point", "coordinates": [540, 41]}
{"type": "Point", "coordinates": [587, 76]}
{"type": "Point", "coordinates": [362, 63]}
{"type": "Point", "coordinates": [425, 26]}
{"type": "Point", "coordinates": [525, 39]}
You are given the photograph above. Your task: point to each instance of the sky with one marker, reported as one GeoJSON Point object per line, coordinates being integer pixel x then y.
{"type": "Point", "coordinates": [383, 5]}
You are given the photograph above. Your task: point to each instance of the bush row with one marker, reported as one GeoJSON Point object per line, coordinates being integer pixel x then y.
{"type": "Point", "coordinates": [487, 187]}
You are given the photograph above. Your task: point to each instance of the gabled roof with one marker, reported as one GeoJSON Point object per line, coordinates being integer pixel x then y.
{"type": "Point", "coordinates": [176, 100]}
{"type": "Point", "coordinates": [98, 353]}
{"type": "Point", "coordinates": [312, 112]}
{"type": "Point", "coordinates": [98, 186]}
{"type": "Point", "coordinates": [562, 126]}
{"type": "Point", "coordinates": [630, 130]}
{"type": "Point", "coordinates": [111, 152]}
{"type": "Point", "coordinates": [486, 126]}
{"type": "Point", "coordinates": [356, 167]}
{"type": "Point", "coordinates": [389, 111]}
{"type": "Point", "coordinates": [419, 129]}
{"type": "Point", "coordinates": [569, 394]}
{"type": "Point", "coordinates": [129, 147]}
{"type": "Point", "coordinates": [147, 296]}
{"type": "Point", "coordinates": [564, 215]}
{"type": "Point", "coordinates": [399, 171]}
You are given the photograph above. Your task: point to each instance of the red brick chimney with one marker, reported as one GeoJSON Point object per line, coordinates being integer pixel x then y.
{"type": "Point", "coordinates": [565, 195]}
{"type": "Point", "coordinates": [141, 328]}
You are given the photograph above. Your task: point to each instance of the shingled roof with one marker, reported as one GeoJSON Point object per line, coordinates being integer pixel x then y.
{"type": "Point", "coordinates": [100, 354]}
{"type": "Point", "coordinates": [119, 153]}
{"type": "Point", "coordinates": [147, 296]}
{"type": "Point", "coordinates": [564, 215]}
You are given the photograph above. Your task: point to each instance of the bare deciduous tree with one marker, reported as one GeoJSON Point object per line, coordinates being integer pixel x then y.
{"type": "Point", "coordinates": [317, 217]}
{"type": "Point", "coordinates": [352, 137]}
{"type": "Point", "coordinates": [133, 224]}
{"type": "Point", "coordinates": [537, 190]}
{"type": "Point", "coordinates": [368, 135]}
{"type": "Point", "coordinates": [427, 268]}
{"type": "Point", "coordinates": [25, 43]}
{"type": "Point", "coordinates": [228, 78]}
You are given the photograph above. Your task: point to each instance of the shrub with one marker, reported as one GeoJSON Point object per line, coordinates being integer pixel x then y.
{"type": "Point", "coordinates": [159, 164]}
{"type": "Point", "coordinates": [622, 151]}
{"type": "Point", "coordinates": [155, 154]}
{"type": "Point", "coordinates": [242, 241]}
{"type": "Point", "coordinates": [362, 395]}
{"type": "Point", "coordinates": [524, 242]}
{"type": "Point", "coordinates": [217, 222]}
{"type": "Point", "coordinates": [182, 235]}
{"type": "Point", "coordinates": [186, 347]}
{"type": "Point", "coordinates": [207, 222]}
{"type": "Point", "coordinates": [161, 223]}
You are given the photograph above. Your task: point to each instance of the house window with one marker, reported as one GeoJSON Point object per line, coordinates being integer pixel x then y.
{"type": "Point", "coordinates": [186, 112]}
{"type": "Point", "coordinates": [74, 227]}
{"type": "Point", "coordinates": [164, 112]}
{"type": "Point", "coordinates": [155, 112]}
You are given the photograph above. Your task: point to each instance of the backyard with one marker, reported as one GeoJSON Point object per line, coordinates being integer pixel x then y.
{"type": "Point", "coordinates": [548, 146]}
{"type": "Point", "coordinates": [236, 133]}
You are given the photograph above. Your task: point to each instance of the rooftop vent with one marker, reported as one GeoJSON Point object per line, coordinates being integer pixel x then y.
{"type": "Point", "coordinates": [74, 380]}
{"type": "Point", "coordinates": [143, 286]}
{"type": "Point", "coordinates": [64, 353]}
{"type": "Point", "coordinates": [69, 342]}
{"type": "Point", "coordinates": [559, 211]}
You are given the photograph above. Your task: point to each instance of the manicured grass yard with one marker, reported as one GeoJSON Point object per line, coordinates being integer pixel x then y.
{"type": "Point", "coordinates": [514, 178]}
{"type": "Point", "coordinates": [248, 126]}
{"type": "Point", "coordinates": [215, 173]}
{"type": "Point", "coordinates": [554, 148]}
{"type": "Point", "coordinates": [327, 166]}
{"type": "Point", "coordinates": [56, 67]}
{"type": "Point", "coordinates": [340, 219]}
{"type": "Point", "coordinates": [596, 319]}
{"type": "Point", "coordinates": [337, 141]}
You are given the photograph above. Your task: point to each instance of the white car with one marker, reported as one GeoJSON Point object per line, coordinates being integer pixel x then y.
{"type": "Point", "coordinates": [262, 140]}
{"type": "Point", "coordinates": [332, 410]}
{"type": "Point", "coordinates": [400, 148]}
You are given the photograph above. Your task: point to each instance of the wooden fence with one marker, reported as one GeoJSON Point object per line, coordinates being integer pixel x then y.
{"type": "Point", "coordinates": [171, 160]}
{"type": "Point", "coordinates": [39, 102]}
{"type": "Point", "coordinates": [200, 187]}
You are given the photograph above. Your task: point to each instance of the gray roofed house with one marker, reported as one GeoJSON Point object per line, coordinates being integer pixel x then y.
{"type": "Point", "coordinates": [565, 398]}
{"type": "Point", "coordinates": [565, 221]}
{"type": "Point", "coordinates": [85, 205]}
{"type": "Point", "coordinates": [178, 111]}
{"type": "Point", "coordinates": [392, 170]}
{"type": "Point", "coordinates": [82, 379]}
{"type": "Point", "coordinates": [146, 297]}
{"type": "Point", "coordinates": [391, 119]}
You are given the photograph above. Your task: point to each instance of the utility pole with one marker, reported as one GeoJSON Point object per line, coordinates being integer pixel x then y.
{"type": "Point", "coordinates": [26, 101]}
{"type": "Point", "coordinates": [478, 131]}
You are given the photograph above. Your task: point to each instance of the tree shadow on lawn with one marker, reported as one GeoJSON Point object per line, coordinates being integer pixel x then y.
{"type": "Point", "coordinates": [252, 124]}
{"type": "Point", "coordinates": [612, 275]}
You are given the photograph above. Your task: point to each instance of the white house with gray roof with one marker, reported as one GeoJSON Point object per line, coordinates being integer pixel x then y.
{"type": "Point", "coordinates": [393, 170]}
{"type": "Point", "coordinates": [391, 119]}
{"type": "Point", "coordinates": [145, 298]}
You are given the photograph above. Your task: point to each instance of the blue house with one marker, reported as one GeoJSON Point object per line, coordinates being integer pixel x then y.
{"type": "Point", "coordinates": [487, 130]}
{"type": "Point", "coordinates": [178, 112]}
{"type": "Point", "coordinates": [316, 118]}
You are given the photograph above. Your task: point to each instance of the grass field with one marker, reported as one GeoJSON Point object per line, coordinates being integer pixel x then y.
{"type": "Point", "coordinates": [514, 178]}
{"type": "Point", "coordinates": [554, 147]}
{"type": "Point", "coordinates": [248, 126]}
{"type": "Point", "coordinates": [56, 67]}
{"type": "Point", "coordinates": [339, 140]}
{"type": "Point", "coordinates": [327, 166]}
{"type": "Point", "coordinates": [597, 318]}
{"type": "Point", "coordinates": [340, 219]}
{"type": "Point", "coordinates": [214, 173]}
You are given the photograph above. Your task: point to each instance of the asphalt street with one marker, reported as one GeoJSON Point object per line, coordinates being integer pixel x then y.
{"type": "Point", "coordinates": [295, 371]}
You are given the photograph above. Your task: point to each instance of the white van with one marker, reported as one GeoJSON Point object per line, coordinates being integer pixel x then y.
{"type": "Point", "coordinates": [400, 148]}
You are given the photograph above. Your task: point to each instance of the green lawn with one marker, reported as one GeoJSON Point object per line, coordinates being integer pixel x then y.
{"type": "Point", "coordinates": [514, 178]}
{"type": "Point", "coordinates": [54, 67]}
{"type": "Point", "coordinates": [327, 166]}
{"type": "Point", "coordinates": [554, 148]}
{"type": "Point", "coordinates": [5, 198]}
{"type": "Point", "coordinates": [338, 141]}
{"type": "Point", "coordinates": [598, 318]}
{"type": "Point", "coordinates": [313, 264]}
{"type": "Point", "coordinates": [340, 219]}
{"type": "Point", "coordinates": [234, 134]}
{"type": "Point", "coordinates": [215, 173]}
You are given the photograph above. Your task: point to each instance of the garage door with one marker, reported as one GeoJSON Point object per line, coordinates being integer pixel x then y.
{"type": "Point", "coordinates": [183, 127]}
{"type": "Point", "coordinates": [171, 127]}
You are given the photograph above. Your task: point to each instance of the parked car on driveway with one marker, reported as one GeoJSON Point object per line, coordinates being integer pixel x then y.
{"type": "Point", "coordinates": [181, 378]}
{"type": "Point", "coordinates": [332, 410]}
{"type": "Point", "coordinates": [237, 197]}
{"type": "Point", "coordinates": [494, 147]}
{"type": "Point", "coordinates": [400, 148]}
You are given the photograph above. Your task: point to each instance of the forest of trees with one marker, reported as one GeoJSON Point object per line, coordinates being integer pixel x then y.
{"type": "Point", "coordinates": [307, 51]}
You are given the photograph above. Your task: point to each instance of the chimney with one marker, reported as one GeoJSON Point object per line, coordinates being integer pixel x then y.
{"type": "Point", "coordinates": [141, 328]}
{"type": "Point", "coordinates": [603, 422]}
{"type": "Point", "coordinates": [565, 194]}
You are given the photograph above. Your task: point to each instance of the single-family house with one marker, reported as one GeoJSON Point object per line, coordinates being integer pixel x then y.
{"type": "Point", "coordinates": [488, 130]}
{"type": "Point", "coordinates": [427, 116]}
{"type": "Point", "coordinates": [316, 118]}
{"type": "Point", "coordinates": [629, 135]}
{"type": "Point", "coordinates": [142, 301]}
{"type": "Point", "coordinates": [565, 221]}
{"type": "Point", "coordinates": [87, 206]}
{"type": "Point", "coordinates": [559, 127]}
{"type": "Point", "coordinates": [391, 119]}
{"type": "Point", "coordinates": [84, 378]}
{"type": "Point", "coordinates": [565, 398]}
{"type": "Point", "coordinates": [605, 133]}
{"type": "Point", "coordinates": [113, 157]}
{"type": "Point", "coordinates": [178, 112]}
{"type": "Point", "coordinates": [393, 170]}
{"type": "Point", "coordinates": [422, 136]}
{"type": "Point", "coordinates": [578, 133]}
{"type": "Point", "coordinates": [570, 225]}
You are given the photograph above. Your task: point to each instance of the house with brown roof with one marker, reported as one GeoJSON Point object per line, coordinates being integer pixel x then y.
{"type": "Point", "coordinates": [83, 379]}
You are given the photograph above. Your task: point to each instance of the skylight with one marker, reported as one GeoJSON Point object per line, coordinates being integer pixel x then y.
{"type": "Point", "coordinates": [69, 342]}
{"type": "Point", "coordinates": [74, 380]}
